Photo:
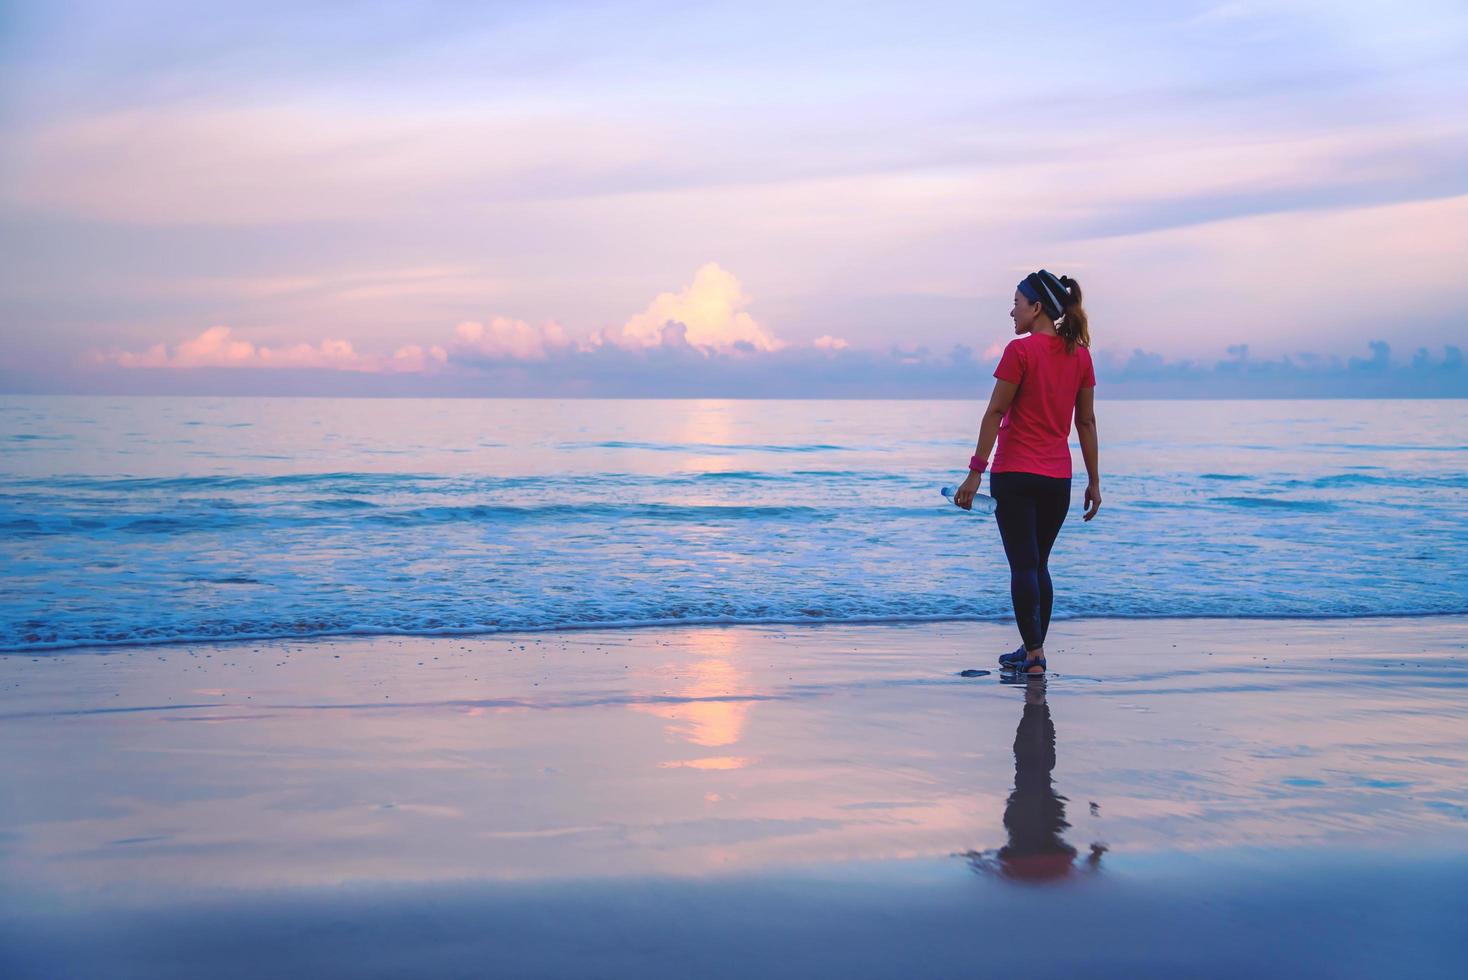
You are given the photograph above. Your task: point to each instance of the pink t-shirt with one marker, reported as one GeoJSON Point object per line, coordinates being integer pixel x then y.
{"type": "Point", "coordinates": [1034, 435]}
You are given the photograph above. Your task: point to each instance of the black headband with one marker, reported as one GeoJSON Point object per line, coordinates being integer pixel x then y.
{"type": "Point", "coordinates": [1043, 288]}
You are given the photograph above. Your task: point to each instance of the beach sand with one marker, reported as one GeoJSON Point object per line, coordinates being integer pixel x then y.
{"type": "Point", "coordinates": [1227, 797]}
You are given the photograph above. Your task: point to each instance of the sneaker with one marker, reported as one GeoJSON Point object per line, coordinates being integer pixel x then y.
{"type": "Point", "coordinates": [1009, 659]}
{"type": "Point", "coordinates": [1020, 662]}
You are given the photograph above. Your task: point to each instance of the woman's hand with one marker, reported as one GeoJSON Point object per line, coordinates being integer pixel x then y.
{"type": "Point", "coordinates": [1093, 499]}
{"type": "Point", "coordinates": [964, 495]}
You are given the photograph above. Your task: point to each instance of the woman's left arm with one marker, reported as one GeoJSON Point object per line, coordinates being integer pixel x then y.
{"type": "Point", "coordinates": [988, 432]}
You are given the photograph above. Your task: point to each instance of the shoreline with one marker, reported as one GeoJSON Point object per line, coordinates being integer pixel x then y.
{"type": "Point", "coordinates": [693, 623]}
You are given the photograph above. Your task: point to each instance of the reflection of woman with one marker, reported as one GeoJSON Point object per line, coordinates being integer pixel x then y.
{"type": "Point", "coordinates": [1035, 814]}
{"type": "Point", "coordinates": [1044, 377]}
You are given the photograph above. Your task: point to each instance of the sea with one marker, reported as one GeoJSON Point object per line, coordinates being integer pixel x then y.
{"type": "Point", "coordinates": [141, 520]}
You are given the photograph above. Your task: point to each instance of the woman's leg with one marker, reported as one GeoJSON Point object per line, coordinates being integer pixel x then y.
{"type": "Point", "coordinates": [1050, 510]}
{"type": "Point", "coordinates": [1015, 514]}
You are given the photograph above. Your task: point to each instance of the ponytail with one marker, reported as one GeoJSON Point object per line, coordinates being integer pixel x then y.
{"type": "Point", "coordinates": [1072, 325]}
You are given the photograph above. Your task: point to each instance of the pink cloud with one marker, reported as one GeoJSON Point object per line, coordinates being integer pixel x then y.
{"type": "Point", "coordinates": [212, 348]}
{"type": "Point", "coordinates": [707, 315]}
{"type": "Point", "coordinates": [711, 309]}
{"type": "Point", "coordinates": [413, 359]}
{"type": "Point", "coordinates": [503, 337]}
{"type": "Point", "coordinates": [215, 348]}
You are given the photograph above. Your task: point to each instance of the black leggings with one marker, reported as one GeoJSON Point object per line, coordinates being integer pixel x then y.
{"type": "Point", "coordinates": [1030, 512]}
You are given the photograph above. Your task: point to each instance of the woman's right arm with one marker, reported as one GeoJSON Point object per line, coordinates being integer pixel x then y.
{"type": "Point", "coordinates": [999, 401]}
{"type": "Point", "coordinates": [1086, 431]}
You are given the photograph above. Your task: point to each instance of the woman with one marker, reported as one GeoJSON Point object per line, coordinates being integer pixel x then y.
{"type": "Point", "coordinates": [1044, 377]}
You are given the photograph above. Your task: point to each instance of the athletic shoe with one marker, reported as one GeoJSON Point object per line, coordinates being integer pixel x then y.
{"type": "Point", "coordinates": [1020, 663]}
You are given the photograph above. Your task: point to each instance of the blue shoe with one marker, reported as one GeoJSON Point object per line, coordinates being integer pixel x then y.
{"type": "Point", "coordinates": [1020, 662]}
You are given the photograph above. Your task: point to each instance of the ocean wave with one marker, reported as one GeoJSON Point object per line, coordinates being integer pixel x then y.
{"type": "Point", "coordinates": [366, 481]}
{"type": "Point", "coordinates": [120, 537]}
{"type": "Point", "coordinates": [1400, 480]}
{"type": "Point", "coordinates": [1392, 447]}
{"type": "Point", "coordinates": [573, 509]}
{"type": "Point", "coordinates": [340, 503]}
{"type": "Point", "coordinates": [738, 476]}
{"type": "Point", "coordinates": [1276, 503]}
{"type": "Point", "coordinates": [222, 516]}
{"type": "Point", "coordinates": [298, 630]}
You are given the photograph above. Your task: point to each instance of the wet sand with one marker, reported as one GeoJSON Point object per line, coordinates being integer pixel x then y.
{"type": "Point", "coordinates": [1196, 797]}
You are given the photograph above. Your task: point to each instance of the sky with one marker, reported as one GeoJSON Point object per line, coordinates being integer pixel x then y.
{"type": "Point", "coordinates": [612, 198]}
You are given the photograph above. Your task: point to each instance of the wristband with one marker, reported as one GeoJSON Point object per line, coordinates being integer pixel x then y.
{"type": "Point", "coordinates": [977, 465]}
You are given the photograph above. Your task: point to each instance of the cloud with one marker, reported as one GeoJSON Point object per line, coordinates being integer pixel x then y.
{"type": "Point", "coordinates": [675, 369]}
{"type": "Point", "coordinates": [212, 348]}
{"type": "Point", "coordinates": [506, 339]}
{"type": "Point", "coordinates": [709, 311]}
{"type": "Point", "coordinates": [1217, 155]}
{"type": "Point", "coordinates": [425, 283]}
{"type": "Point", "coordinates": [1367, 167]}
{"type": "Point", "coordinates": [238, 165]}
{"type": "Point", "coordinates": [705, 316]}
{"type": "Point", "coordinates": [702, 341]}
{"type": "Point", "coordinates": [1303, 374]}
{"type": "Point", "coordinates": [413, 359]}
{"type": "Point", "coordinates": [215, 347]}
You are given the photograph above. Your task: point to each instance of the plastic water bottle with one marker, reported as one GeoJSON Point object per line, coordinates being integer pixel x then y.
{"type": "Point", "coordinates": [982, 505]}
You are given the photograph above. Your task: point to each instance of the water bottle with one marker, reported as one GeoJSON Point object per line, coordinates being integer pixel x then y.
{"type": "Point", "coordinates": [982, 505]}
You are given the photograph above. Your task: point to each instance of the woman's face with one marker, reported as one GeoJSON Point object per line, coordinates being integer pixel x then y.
{"type": "Point", "coordinates": [1024, 313]}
